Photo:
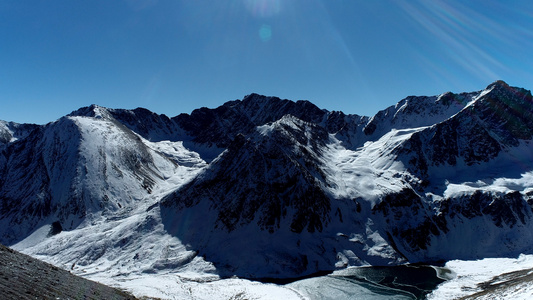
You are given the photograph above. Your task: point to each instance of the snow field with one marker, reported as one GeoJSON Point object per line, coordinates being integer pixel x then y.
{"type": "Point", "coordinates": [471, 273]}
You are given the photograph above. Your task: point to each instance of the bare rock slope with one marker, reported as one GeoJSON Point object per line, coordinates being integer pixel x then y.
{"type": "Point", "coordinates": [23, 277]}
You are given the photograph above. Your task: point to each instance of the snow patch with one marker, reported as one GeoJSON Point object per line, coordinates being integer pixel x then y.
{"type": "Point", "coordinates": [471, 273]}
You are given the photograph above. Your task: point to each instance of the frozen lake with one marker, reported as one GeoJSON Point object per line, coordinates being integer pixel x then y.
{"type": "Point", "coordinates": [398, 282]}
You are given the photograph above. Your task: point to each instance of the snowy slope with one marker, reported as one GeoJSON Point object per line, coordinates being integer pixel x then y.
{"type": "Point", "coordinates": [489, 278]}
{"type": "Point", "coordinates": [80, 167]}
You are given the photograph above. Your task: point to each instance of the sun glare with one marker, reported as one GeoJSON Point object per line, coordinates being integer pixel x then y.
{"type": "Point", "coordinates": [263, 8]}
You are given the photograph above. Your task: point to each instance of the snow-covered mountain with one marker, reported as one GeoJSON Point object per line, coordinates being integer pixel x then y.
{"type": "Point", "coordinates": [79, 166]}
{"type": "Point", "coordinates": [444, 187]}
{"type": "Point", "coordinates": [264, 187]}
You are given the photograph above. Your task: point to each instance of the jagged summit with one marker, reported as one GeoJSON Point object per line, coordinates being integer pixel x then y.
{"type": "Point", "coordinates": [93, 110]}
{"type": "Point", "coordinates": [255, 97]}
{"type": "Point", "coordinates": [498, 84]}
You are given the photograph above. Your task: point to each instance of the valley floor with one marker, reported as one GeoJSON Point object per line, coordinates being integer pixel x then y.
{"type": "Point", "coordinates": [491, 278]}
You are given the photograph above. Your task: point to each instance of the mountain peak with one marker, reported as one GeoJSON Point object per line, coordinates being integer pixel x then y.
{"type": "Point", "coordinates": [287, 123]}
{"type": "Point", "coordinates": [498, 84]}
{"type": "Point", "coordinates": [500, 91]}
{"type": "Point", "coordinates": [259, 98]}
{"type": "Point", "coordinates": [95, 111]}
{"type": "Point", "coordinates": [288, 120]}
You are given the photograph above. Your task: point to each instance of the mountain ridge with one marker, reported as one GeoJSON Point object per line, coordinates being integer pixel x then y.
{"type": "Point", "coordinates": [266, 187]}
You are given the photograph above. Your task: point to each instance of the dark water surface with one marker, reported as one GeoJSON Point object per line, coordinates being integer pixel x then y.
{"type": "Point", "coordinates": [365, 283]}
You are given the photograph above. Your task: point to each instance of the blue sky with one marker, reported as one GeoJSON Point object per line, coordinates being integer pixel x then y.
{"type": "Point", "coordinates": [172, 56]}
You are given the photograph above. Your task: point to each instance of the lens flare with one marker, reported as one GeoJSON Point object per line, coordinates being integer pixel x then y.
{"type": "Point", "coordinates": [469, 38]}
{"type": "Point", "coordinates": [265, 33]}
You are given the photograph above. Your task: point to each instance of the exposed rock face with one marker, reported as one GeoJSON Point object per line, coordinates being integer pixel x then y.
{"type": "Point", "coordinates": [270, 184]}
{"type": "Point", "coordinates": [220, 125]}
{"type": "Point", "coordinates": [498, 118]}
{"type": "Point", "coordinates": [10, 131]}
{"type": "Point", "coordinates": [36, 180]}
{"type": "Point", "coordinates": [475, 221]}
{"type": "Point", "coordinates": [282, 177]}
